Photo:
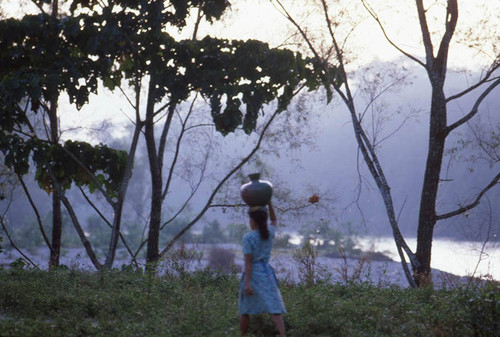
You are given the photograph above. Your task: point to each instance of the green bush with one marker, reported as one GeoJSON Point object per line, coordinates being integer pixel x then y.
{"type": "Point", "coordinates": [65, 302]}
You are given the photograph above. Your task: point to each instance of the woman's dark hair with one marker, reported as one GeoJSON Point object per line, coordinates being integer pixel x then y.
{"type": "Point", "coordinates": [260, 219]}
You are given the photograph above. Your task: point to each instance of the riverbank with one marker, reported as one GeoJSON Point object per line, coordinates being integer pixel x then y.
{"type": "Point", "coordinates": [371, 267]}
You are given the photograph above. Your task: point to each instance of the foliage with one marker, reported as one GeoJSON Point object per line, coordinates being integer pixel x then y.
{"type": "Point", "coordinates": [181, 260]}
{"type": "Point", "coordinates": [137, 42]}
{"type": "Point", "coordinates": [26, 233]}
{"type": "Point", "coordinates": [212, 233]}
{"type": "Point", "coordinates": [331, 240]}
{"type": "Point", "coordinates": [19, 264]}
{"type": "Point", "coordinates": [106, 164]}
{"type": "Point", "coordinates": [236, 231]}
{"type": "Point", "coordinates": [220, 259]}
{"type": "Point", "coordinates": [309, 269]}
{"type": "Point", "coordinates": [112, 303]}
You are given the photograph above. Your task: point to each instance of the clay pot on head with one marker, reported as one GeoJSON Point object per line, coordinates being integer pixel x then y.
{"type": "Point", "coordinates": [256, 192]}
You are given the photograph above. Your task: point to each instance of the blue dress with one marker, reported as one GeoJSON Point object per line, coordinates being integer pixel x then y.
{"type": "Point", "coordinates": [266, 297]}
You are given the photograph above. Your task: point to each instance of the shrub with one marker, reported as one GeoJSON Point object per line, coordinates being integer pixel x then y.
{"type": "Point", "coordinates": [180, 260]}
{"type": "Point", "coordinates": [221, 259]}
{"type": "Point", "coordinates": [309, 269]}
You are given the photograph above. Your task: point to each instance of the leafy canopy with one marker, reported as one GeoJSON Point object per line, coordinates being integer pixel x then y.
{"type": "Point", "coordinates": [43, 56]}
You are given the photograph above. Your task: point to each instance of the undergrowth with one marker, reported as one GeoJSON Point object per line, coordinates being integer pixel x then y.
{"type": "Point", "coordinates": [204, 303]}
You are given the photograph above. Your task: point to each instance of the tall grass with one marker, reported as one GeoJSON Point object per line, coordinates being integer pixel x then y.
{"type": "Point", "coordinates": [204, 303]}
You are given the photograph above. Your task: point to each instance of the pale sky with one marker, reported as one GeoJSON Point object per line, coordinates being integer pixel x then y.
{"type": "Point", "coordinates": [259, 19]}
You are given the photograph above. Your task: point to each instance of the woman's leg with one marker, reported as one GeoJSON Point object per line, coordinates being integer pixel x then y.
{"type": "Point", "coordinates": [279, 323]}
{"type": "Point", "coordinates": [244, 322]}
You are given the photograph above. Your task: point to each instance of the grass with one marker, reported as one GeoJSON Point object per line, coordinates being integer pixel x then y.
{"type": "Point", "coordinates": [120, 303]}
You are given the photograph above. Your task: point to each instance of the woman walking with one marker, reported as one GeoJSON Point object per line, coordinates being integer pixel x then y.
{"type": "Point", "coordinates": [259, 291]}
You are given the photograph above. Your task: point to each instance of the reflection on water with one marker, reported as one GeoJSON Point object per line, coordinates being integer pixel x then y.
{"type": "Point", "coordinates": [462, 258]}
{"type": "Point", "coordinates": [456, 257]}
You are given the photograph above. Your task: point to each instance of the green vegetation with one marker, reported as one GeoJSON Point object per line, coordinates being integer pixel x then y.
{"type": "Point", "coordinates": [125, 303]}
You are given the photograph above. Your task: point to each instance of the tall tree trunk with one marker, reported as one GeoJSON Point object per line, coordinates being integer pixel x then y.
{"type": "Point", "coordinates": [436, 66]}
{"type": "Point", "coordinates": [153, 254]}
{"type": "Point", "coordinates": [115, 231]}
{"type": "Point", "coordinates": [427, 216]}
{"type": "Point", "coordinates": [118, 205]}
{"type": "Point", "coordinates": [55, 252]}
{"type": "Point", "coordinates": [56, 198]}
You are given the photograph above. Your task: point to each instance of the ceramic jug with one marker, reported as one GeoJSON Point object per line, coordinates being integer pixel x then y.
{"type": "Point", "coordinates": [256, 192]}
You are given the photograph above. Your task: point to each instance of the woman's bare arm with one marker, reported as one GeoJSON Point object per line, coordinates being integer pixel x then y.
{"type": "Point", "coordinates": [248, 274]}
{"type": "Point", "coordinates": [272, 214]}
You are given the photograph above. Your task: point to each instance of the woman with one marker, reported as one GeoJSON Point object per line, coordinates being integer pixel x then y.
{"type": "Point", "coordinates": [259, 290]}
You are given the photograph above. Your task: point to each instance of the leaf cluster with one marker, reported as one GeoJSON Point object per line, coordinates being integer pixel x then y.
{"type": "Point", "coordinates": [72, 162]}
{"type": "Point", "coordinates": [43, 56]}
{"type": "Point", "coordinates": [66, 163]}
{"type": "Point", "coordinates": [136, 42]}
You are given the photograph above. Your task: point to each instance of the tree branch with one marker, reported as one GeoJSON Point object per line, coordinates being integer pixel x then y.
{"type": "Point", "coordinates": [473, 204]}
{"type": "Point", "coordinates": [76, 223]}
{"type": "Point", "coordinates": [484, 80]}
{"type": "Point", "coordinates": [177, 149]}
{"type": "Point", "coordinates": [382, 28]}
{"type": "Point", "coordinates": [221, 183]}
{"type": "Point", "coordinates": [37, 214]}
{"type": "Point", "coordinates": [426, 36]}
{"type": "Point", "coordinates": [107, 223]}
{"type": "Point", "coordinates": [451, 23]}
{"type": "Point", "coordinates": [11, 241]}
{"type": "Point", "coordinates": [475, 108]}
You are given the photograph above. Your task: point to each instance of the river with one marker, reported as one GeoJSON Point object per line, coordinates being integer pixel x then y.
{"type": "Point", "coordinates": [455, 257]}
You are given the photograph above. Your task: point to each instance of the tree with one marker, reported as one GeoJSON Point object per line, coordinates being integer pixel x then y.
{"type": "Point", "coordinates": [226, 73]}
{"type": "Point", "coordinates": [436, 43]}
{"type": "Point", "coordinates": [40, 62]}
{"type": "Point", "coordinates": [212, 233]}
{"type": "Point", "coordinates": [127, 45]}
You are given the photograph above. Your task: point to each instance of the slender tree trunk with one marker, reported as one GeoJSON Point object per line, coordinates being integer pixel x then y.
{"type": "Point", "coordinates": [55, 252]}
{"type": "Point", "coordinates": [115, 232]}
{"type": "Point", "coordinates": [436, 66]}
{"type": "Point", "coordinates": [152, 254]}
{"type": "Point", "coordinates": [118, 206]}
{"type": "Point", "coordinates": [56, 198]}
{"type": "Point", "coordinates": [427, 216]}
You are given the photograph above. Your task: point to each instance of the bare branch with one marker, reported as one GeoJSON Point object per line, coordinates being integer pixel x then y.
{"type": "Point", "coordinates": [11, 241]}
{"type": "Point", "coordinates": [451, 24]}
{"type": "Point", "coordinates": [107, 223]}
{"type": "Point", "coordinates": [228, 205]}
{"type": "Point", "coordinates": [473, 204]}
{"type": "Point", "coordinates": [177, 148]}
{"type": "Point", "coordinates": [218, 187]}
{"type": "Point", "coordinates": [382, 28]}
{"type": "Point", "coordinates": [126, 97]}
{"type": "Point", "coordinates": [475, 108]}
{"type": "Point", "coordinates": [484, 80]}
{"type": "Point", "coordinates": [37, 214]}
{"type": "Point", "coordinates": [426, 36]}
